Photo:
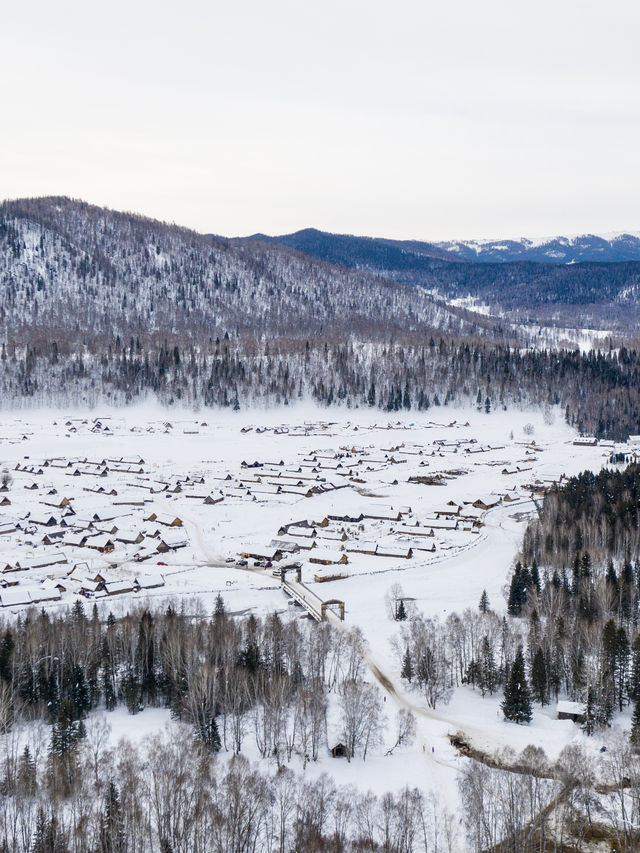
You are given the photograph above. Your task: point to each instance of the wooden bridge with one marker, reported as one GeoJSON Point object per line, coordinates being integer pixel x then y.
{"type": "Point", "coordinates": [329, 610]}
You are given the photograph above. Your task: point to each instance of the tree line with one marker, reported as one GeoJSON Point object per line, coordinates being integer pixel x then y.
{"type": "Point", "coordinates": [598, 393]}
{"type": "Point", "coordinates": [169, 794]}
{"type": "Point", "coordinates": [265, 679]}
{"type": "Point", "coordinates": [594, 513]}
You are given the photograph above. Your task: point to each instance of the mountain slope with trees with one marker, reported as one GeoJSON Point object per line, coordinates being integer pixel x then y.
{"type": "Point", "coordinates": [605, 285]}
{"type": "Point", "coordinates": [81, 270]}
{"type": "Point", "coordinates": [98, 306]}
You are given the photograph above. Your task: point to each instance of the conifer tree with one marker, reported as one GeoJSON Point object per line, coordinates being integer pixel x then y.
{"type": "Point", "coordinates": [108, 678]}
{"type": "Point", "coordinates": [47, 837]}
{"type": "Point", "coordinates": [520, 583]}
{"type": "Point", "coordinates": [474, 675]}
{"type": "Point", "coordinates": [407, 666]}
{"type": "Point", "coordinates": [6, 654]}
{"type": "Point", "coordinates": [483, 605]}
{"type": "Point", "coordinates": [27, 773]}
{"type": "Point", "coordinates": [145, 659]}
{"type": "Point", "coordinates": [112, 835]}
{"type": "Point", "coordinates": [622, 660]}
{"type": "Point", "coordinates": [589, 724]}
{"type": "Point", "coordinates": [131, 690]}
{"type": "Point", "coordinates": [487, 667]}
{"type": "Point", "coordinates": [634, 683]}
{"type": "Point", "coordinates": [634, 738]}
{"type": "Point", "coordinates": [535, 576]}
{"type": "Point", "coordinates": [209, 734]}
{"type": "Point", "coordinates": [79, 692]}
{"type": "Point", "coordinates": [66, 731]}
{"type": "Point", "coordinates": [539, 683]}
{"type": "Point", "coordinates": [613, 663]}
{"type": "Point", "coordinates": [517, 698]}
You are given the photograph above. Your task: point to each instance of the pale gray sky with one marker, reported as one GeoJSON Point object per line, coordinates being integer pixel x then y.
{"type": "Point", "coordinates": [406, 119]}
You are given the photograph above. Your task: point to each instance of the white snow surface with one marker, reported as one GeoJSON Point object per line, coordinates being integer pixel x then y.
{"type": "Point", "coordinates": [211, 445]}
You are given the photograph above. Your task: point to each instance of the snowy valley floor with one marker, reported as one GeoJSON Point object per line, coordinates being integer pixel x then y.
{"type": "Point", "coordinates": [356, 464]}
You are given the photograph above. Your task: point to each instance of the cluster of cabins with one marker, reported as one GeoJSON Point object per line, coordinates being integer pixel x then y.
{"type": "Point", "coordinates": [617, 453]}
{"type": "Point", "coordinates": [110, 509]}
{"type": "Point", "coordinates": [79, 579]}
{"type": "Point", "coordinates": [106, 426]}
{"type": "Point", "coordinates": [81, 511]}
{"type": "Point", "coordinates": [329, 546]}
{"type": "Point", "coordinates": [333, 547]}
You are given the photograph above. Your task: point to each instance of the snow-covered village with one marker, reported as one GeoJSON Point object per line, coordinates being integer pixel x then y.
{"type": "Point", "coordinates": [381, 539]}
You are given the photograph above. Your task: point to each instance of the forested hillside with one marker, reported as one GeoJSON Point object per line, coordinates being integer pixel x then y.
{"type": "Point", "coordinates": [598, 513]}
{"type": "Point", "coordinates": [80, 271]}
{"type": "Point", "coordinates": [602, 286]}
{"type": "Point", "coordinates": [578, 586]}
{"type": "Point", "coordinates": [100, 306]}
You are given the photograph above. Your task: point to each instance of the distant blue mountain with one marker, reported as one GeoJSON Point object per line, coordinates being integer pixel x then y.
{"type": "Point", "coordinates": [364, 252]}
{"type": "Point", "coordinates": [382, 254]}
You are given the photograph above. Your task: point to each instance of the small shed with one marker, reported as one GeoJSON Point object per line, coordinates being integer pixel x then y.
{"type": "Point", "coordinates": [339, 751]}
{"type": "Point", "coordinates": [573, 711]}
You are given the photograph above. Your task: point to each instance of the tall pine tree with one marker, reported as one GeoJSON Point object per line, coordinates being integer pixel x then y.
{"type": "Point", "coordinates": [517, 697]}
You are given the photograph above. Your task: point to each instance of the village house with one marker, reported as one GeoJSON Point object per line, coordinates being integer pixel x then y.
{"type": "Point", "coordinates": [447, 510]}
{"type": "Point", "coordinates": [586, 441]}
{"type": "Point", "coordinates": [328, 558]}
{"type": "Point", "coordinates": [118, 587]}
{"type": "Point", "coordinates": [487, 502]}
{"type": "Point", "coordinates": [397, 551]}
{"type": "Point", "coordinates": [361, 547]}
{"type": "Point", "coordinates": [41, 561]}
{"type": "Point", "coordinates": [149, 581]}
{"type": "Point", "coordinates": [53, 536]}
{"type": "Point", "coordinates": [170, 540]}
{"type": "Point", "coordinates": [165, 519]}
{"type": "Point", "coordinates": [41, 594]}
{"type": "Point", "coordinates": [102, 543]}
{"type": "Point", "coordinates": [15, 596]}
{"type": "Point", "coordinates": [129, 537]}
{"type": "Point", "coordinates": [43, 519]}
{"type": "Point", "coordinates": [213, 498]}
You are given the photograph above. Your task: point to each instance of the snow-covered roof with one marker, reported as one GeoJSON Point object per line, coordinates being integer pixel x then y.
{"type": "Point", "coordinates": [149, 581]}
{"type": "Point", "coordinates": [567, 707]}
{"type": "Point", "coordinates": [14, 596]}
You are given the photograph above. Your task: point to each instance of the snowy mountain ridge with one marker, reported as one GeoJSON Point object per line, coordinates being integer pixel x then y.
{"type": "Point", "coordinates": [613, 247]}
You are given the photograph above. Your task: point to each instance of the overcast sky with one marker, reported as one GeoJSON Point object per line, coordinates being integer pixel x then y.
{"type": "Point", "coordinates": [405, 119]}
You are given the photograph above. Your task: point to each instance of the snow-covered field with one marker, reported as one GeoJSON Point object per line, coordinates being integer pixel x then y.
{"type": "Point", "coordinates": [162, 465]}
